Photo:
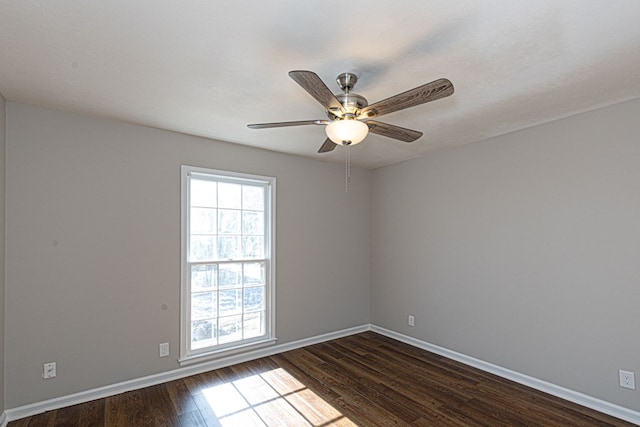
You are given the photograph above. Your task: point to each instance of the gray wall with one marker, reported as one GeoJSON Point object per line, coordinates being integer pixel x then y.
{"type": "Point", "coordinates": [93, 247]}
{"type": "Point", "coordinates": [3, 122]}
{"type": "Point", "coordinates": [521, 250]}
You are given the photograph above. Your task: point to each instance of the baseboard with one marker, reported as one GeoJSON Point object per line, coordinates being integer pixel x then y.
{"type": "Point", "coordinates": [102, 392]}
{"type": "Point", "coordinates": [182, 372]}
{"type": "Point", "coordinates": [555, 390]}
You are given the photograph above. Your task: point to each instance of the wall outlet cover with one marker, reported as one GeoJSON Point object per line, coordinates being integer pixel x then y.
{"type": "Point", "coordinates": [164, 349]}
{"type": "Point", "coordinates": [627, 379]}
{"type": "Point", "coordinates": [49, 370]}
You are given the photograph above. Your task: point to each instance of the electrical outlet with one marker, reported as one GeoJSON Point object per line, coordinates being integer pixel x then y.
{"type": "Point", "coordinates": [49, 370]}
{"type": "Point", "coordinates": [164, 349]}
{"type": "Point", "coordinates": [627, 379]}
{"type": "Point", "coordinates": [411, 321]}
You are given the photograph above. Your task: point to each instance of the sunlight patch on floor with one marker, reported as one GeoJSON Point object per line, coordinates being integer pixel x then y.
{"type": "Point", "coordinates": [272, 398]}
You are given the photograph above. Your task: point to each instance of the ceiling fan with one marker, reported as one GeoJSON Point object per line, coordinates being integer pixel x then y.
{"type": "Point", "coordinates": [350, 114]}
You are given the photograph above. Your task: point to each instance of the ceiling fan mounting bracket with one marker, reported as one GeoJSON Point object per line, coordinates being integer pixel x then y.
{"type": "Point", "coordinates": [347, 81]}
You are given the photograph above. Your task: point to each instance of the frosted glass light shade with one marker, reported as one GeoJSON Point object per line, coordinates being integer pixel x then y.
{"type": "Point", "coordinates": [347, 131]}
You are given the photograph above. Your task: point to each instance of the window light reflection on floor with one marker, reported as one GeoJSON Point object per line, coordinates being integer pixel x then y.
{"type": "Point", "coordinates": [272, 398]}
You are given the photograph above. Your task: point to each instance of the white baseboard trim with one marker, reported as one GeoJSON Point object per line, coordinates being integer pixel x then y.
{"type": "Point", "coordinates": [182, 372]}
{"type": "Point", "coordinates": [555, 390]}
{"type": "Point", "coordinates": [110, 390]}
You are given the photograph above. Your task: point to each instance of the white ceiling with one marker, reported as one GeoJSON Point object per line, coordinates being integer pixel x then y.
{"type": "Point", "coordinates": [210, 67]}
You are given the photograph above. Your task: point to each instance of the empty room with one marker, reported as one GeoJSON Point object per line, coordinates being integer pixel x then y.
{"type": "Point", "coordinates": [319, 214]}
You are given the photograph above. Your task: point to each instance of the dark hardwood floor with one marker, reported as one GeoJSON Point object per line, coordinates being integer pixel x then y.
{"type": "Point", "coordinates": [361, 380]}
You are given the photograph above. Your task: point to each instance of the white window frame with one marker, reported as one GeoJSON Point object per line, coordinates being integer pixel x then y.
{"type": "Point", "coordinates": [192, 356]}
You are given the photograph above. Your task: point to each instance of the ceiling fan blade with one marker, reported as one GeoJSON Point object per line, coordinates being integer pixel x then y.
{"type": "Point", "coordinates": [392, 131]}
{"type": "Point", "coordinates": [426, 93]}
{"type": "Point", "coordinates": [316, 88]}
{"type": "Point", "coordinates": [285, 124]}
{"type": "Point", "coordinates": [328, 145]}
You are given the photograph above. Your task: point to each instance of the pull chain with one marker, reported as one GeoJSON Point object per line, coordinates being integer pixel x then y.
{"type": "Point", "coordinates": [347, 168]}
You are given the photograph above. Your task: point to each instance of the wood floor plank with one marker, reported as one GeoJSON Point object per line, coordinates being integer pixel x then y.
{"type": "Point", "coordinates": [315, 409]}
{"type": "Point", "coordinates": [259, 366]}
{"type": "Point", "coordinates": [345, 387]}
{"type": "Point", "coordinates": [46, 419]}
{"type": "Point", "coordinates": [431, 384]}
{"type": "Point", "coordinates": [324, 390]}
{"type": "Point", "coordinates": [424, 366]}
{"type": "Point", "coordinates": [198, 383]}
{"type": "Point", "coordinates": [375, 394]}
{"type": "Point", "coordinates": [255, 390]}
{"type": "Point", "coordinates": [160, 406]}
{"type": "Point", "coordinates": [370, 385]}
{"type": "Point", "coordinates": [281, 413]}
{"type": "Point", "coordinates": [541, 406]}
{"type": "Point", "coordinates": [127, 409]}
{"type": "Point", "coordinates": [361, 380]}
{"type": "Point", "coordinates": [206, 411]}
{"type": "Point", "coordinates": [92, 413]}
{"type": "Point", "coordinates": [283, 382]}
{"type": "Point", "coordinates": [67, 417]}
{"type": "Point", "coordinates": [386, 380]}
{"type": "Point", "coordinates": [192, 419]}
{"type": "Point", "coordinates": [23, 422]}
{"type": "Point", "coordinates": [439, 420]}
{"type": "Point", "coordinates": [180, 397]}
{"type": "Point", "coordinates": [227, 374]}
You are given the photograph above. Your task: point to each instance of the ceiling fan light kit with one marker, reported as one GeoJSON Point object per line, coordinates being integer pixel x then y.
{"type": "Point", "coordinates": [350, 114]}
{"type": "Point", "coordinates": [347, 131]}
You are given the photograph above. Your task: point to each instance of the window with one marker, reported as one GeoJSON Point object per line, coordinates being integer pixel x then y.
{"type": "Point", "coordinates": [227, 261]}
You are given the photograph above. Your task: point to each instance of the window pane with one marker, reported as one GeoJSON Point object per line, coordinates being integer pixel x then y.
{"type": "Point", "coordinates": [228, 221]}
{"type": "Point", "coordinates": [203, 193]}
{"type": "Point", "coordinates": [254, 299]}
{"type": "Point", "coordinates": [228, 247]}
{"type": "Point", "coordinates": [230, 275]}
{"type": "Point", "coordinates": [203, 305]}
{"type": "Point", "coordinates": [203, 277]}
{"type": "Point", "coordinates": [230, 329]}
{"type": "Point", "coordinates": [203, 333]}
{"type": "Point", "coordinates": [253, 247]}
{"type": "Point", "coordinates": [253, 273]}
{"type": "Point", "coordinates": [229, 195]}
{"type": "Point", "coordinates": [252, 223]}
{"type": "Point", "coordinates": [230, 302]}
{"type": "Point", "coordinates": [203, 248]}
{"type": "Point", "coordinates": [203, 221]}
{"type": "Point", "coordinates": [254, 325]}
{"type": "Point", "coordinates": [252, 198]}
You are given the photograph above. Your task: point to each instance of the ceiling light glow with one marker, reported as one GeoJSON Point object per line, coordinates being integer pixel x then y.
{"type": "Point", "coordinates": [347, 131]}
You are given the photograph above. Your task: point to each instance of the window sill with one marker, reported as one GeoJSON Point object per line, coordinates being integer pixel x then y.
{"type": "Point", "coordinates": [219, 355]}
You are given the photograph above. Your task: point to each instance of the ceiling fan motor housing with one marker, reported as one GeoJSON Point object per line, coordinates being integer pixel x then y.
{"type": "Point", "coordinates": [352, 103]}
